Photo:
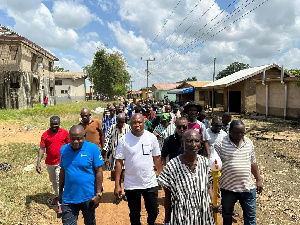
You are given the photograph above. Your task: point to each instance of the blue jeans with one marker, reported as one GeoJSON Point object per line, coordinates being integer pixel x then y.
{"type": "Point", "coordinates": [247, 201]}
{"type": "Point", "coordinates": [134, 203]}
{"type": "Point", "coordinates": [70, 213]}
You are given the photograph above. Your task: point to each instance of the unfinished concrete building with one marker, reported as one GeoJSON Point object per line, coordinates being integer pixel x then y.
{"type": "Point", "coordinates": [26, 72]}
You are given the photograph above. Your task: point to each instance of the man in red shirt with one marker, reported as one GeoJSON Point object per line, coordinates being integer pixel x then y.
{"type": "Point", "coordinates": [46, 101]}
{"type": "Point", "coordinates": [51, 142]}
{"type": "Point", "coordinates": [150, 114]}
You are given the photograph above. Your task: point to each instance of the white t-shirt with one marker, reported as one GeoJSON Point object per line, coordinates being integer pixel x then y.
{"type": "Point", "coordinates": [138, 154]}
{"type": "Point", "coordinates": [213, 137]}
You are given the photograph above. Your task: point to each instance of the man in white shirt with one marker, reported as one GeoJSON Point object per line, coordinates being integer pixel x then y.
{"type": "Point", "coordinates": [139, 148]}
{"type": "Point", "coordinates": [215, 132]}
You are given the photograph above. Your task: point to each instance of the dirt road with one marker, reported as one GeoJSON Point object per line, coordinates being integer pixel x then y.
{"type": "Point", "coordinates": [277, 152]}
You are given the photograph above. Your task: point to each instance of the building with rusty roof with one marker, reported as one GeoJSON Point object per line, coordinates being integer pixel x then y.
{"type": "Point", "coordinates": [160, 90]}
{"type": "Point", "coordinates": [26, 71]}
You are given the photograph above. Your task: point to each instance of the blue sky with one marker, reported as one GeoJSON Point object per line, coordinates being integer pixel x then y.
{"type": "Point", "coordinates": [182, 35]}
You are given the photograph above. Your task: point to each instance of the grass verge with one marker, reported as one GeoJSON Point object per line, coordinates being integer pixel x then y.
{"type": "Point", "coordinates": [25, 195]}
{"type": "Point", "coordinates": [38, 116]}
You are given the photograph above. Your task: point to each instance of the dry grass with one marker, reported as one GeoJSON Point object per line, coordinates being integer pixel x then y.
{"type": "Point", "coordinates": [25, 195]}
{"type": "Point", "coordinates": [23, 192]}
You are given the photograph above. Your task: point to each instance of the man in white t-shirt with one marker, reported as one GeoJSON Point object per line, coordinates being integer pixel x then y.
{"type": "Point", "coordinates": [139, 148]}
{"type": "Point", "coordinates": [215, 132]}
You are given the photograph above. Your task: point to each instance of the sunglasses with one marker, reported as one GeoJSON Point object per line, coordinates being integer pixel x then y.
{"type": "Point", "coordinates": [181, 126]}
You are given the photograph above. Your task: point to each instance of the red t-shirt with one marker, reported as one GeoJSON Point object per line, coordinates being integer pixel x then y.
{"type": "Point", "coordinates": [53, 142]}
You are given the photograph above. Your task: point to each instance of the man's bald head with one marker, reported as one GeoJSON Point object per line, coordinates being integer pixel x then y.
{"type": "Point", "coordinates": [191, 142]}
{"type": "Point", "coordinates": [121, 120]}
{"type": "Point", "coordinates": [137, 123]}
{"type": "Point", "coordinates": [190, 132]}
{"type": "Point", "coordinates": [76, 135]}
{"type": "Point", "coordinates": [85, 115]}
{"type": "Point", "coordinates": [137, 115]}
{"type": "Point", "coordinates": [78, 129]}
{"type": "Point", "coordinates": [85, 111]}
{"type": "Point", "coordinates": [120, 116]}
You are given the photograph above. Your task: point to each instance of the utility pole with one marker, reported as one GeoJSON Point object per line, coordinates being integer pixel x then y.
{"type": "Point", "coordinates": [147, 72]}
{"type": "Point", "coordinates": [91, 88]}
{"type": "Point", "coordinates": [131, 89]}
{"type": "Point", "coordinates": [213, 90]}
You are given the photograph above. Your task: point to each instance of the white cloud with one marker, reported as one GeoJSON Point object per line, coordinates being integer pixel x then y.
{"type": "Point", "coordinates": [36, 23]}
{"type": "Point", "coordinates": [254, 38]}
{"type": "Point", "coordinates": [20, 5]}
{"type": "Point", "coordinates": [91, 35]}
{"type": "Point", "coordinates": [90, 48]}
{"type": "Point", "coordinates": [106, 5]}
{"type": "Point", "coordinates": [290, 59]}
{"type": "Point", "coordinates": [69, 64]}
{"type": "Point", "coordinates": [133, 46]}
{"type": "Point", "coordinates": [71, 15]}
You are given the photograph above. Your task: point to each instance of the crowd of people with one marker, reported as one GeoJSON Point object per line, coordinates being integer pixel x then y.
{"type": "Point", "coordinates": [148, 145]}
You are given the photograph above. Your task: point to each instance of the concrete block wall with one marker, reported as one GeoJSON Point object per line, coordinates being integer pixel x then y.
{"type": "Point", "coordinates": [16, 68]}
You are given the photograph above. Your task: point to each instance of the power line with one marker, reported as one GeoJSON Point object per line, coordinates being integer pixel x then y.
{"type": "Point", "coordinates": [172, 58]}
{"type": "Point", "coordinates": [162, 27]}
{"type": "Point", "coordinates": [197, 4]}
{"type": "Point", "coordinates": [207, 24]}
{"type": "Point", "coordinates": [190, 26]}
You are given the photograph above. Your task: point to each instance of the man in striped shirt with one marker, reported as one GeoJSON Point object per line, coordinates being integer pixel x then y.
{"type": "Point", "coordinates": [109, 120]}
{"type": "Point", "coordinates": [238, 158]}
{"type": "Point", "coordinates": [114, 133]}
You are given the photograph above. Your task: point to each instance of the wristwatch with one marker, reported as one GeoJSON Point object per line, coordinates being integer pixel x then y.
{"type": "Point", "coordinates": [99, 194]}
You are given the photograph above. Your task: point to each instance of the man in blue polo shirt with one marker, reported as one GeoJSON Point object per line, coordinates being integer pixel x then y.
{"type": "Point", "coordinates": [80, 178]}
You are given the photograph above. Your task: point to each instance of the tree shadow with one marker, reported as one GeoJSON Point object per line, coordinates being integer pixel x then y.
{"type": "Point", "coordinates": [42, 198]}
{"type": "Point", "coordinates": [160, 200]}
{"type": "Point", "coordinates": [108, 197]}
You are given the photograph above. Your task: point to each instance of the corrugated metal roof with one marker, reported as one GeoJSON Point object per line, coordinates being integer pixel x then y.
{"type": "Point", "coordinates": [69, 75]}
{"type": "Point", "coordinates": [167, 86]}
{"type": "Point", "coordinates": [7, 34]}
{"type": "Point", "coordinates": [240, 76]}
{"type": "Point", "coordinates": [198, 83]}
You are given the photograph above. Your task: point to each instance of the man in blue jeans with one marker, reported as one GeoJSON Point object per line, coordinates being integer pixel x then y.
{"type": "Point", "coordinates": [238, 158]}
{"type": "Point", "coordinates": [80, 178]}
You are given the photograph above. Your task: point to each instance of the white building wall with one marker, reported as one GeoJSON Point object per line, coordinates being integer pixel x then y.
{"type": "Point", "coordinates": [70, 90]}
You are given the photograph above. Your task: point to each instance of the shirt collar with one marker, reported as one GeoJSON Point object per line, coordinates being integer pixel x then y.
{"type": "Point", "coordinates": [244, 141]}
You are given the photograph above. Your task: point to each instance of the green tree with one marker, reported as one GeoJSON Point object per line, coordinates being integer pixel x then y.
{"type": "Point", "coordinates": [191, 79]}
{"type": "Point", "coordinates": [296, 73]}
{"type": "Point", "coordinates": [232, 68]}
{"type": "Point", "coordinates": [109, 73]}
{"type": "Point", "coordinates": [60, 69]}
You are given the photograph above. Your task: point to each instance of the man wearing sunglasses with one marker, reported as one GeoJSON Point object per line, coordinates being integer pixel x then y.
{"type": "Point", "coordinates": [173, 144]}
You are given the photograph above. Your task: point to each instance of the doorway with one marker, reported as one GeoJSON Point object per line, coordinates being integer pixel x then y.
{"type": "Point", "coordinates": [235, 103]}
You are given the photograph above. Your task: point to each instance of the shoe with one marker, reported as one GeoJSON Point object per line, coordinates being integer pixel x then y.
{"type": "Point", "coordinates": [54, 201]}
{"type": "Point", "coordinates": [235, 214]}
{"type": "Point", "coordinates": [59, 211]}
{"type": "Point", "coordinates": [124, 198]}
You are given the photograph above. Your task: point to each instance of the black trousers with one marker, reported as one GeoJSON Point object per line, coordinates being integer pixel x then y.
{"type": "Point", "coordinates": [134, 204]}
